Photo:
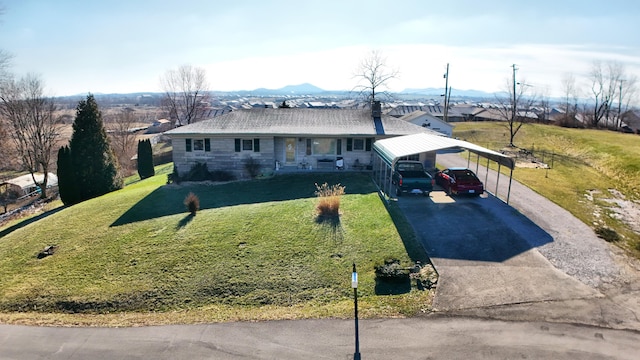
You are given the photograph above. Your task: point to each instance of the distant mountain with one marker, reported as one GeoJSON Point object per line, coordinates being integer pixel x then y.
{"type": "Point", "coordinates": [305, 88]}
{"type": "Point", "coordinates": [302, 89]}
{"type": "Point", "coordinates": [454, 92]}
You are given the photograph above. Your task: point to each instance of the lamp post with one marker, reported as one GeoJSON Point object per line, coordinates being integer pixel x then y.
{"type": "Point", "coordinates": [354, 285]}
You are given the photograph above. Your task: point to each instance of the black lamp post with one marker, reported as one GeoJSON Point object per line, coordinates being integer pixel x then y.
{"type": "Point", "coordinates": [354, 285]}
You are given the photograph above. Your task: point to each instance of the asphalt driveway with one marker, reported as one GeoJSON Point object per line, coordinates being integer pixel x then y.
{"type": "Point", "coordinates": [485, 253]}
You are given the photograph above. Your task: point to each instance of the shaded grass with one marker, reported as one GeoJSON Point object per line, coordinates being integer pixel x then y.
{"type": "Point", "coordinates": [583, 160]}
{"type": "Point", "coordinates": [253, 252]}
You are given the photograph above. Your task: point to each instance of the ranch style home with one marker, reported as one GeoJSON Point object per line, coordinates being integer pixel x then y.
{"type": "Point", "coordinates": [288, 139]}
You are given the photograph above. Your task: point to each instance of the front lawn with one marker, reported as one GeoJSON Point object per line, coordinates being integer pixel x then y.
{"type": "Point", "coordinates": [254, 251]}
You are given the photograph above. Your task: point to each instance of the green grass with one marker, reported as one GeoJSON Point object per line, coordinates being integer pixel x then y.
{"type": "Point", "coordinates": [255, 250]}
{"type": "Point", "coordinates": [583, 160]}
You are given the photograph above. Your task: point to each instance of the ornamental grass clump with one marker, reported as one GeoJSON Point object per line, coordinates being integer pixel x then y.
{"type": "Point", "coordinates": [192, 202]}
{"type": "Point", "coordinates": [329, 199]}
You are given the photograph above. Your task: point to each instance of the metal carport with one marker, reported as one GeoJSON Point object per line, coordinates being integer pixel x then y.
{"type": "Point", "coordinates": [388, 151]}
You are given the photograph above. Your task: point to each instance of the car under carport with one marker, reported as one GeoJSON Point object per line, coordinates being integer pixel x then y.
{"type": "Point", "coordinates": [424, 147]}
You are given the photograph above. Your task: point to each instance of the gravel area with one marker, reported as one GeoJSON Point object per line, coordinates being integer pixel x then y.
{"type": "Point", "coordinates": [575, 249]}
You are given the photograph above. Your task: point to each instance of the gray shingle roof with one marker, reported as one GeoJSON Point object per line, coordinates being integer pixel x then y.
{"type": "Point", "coordinates": [298, 122]}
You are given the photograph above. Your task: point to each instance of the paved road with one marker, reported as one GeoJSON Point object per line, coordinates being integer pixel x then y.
{"type": "Point", "coordinates": [418, 338]}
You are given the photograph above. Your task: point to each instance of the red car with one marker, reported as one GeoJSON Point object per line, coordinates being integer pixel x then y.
{"type": "Point", "coordinates": [459, 181]}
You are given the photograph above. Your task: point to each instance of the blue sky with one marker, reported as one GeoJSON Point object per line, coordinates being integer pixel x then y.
{"type": "Point", "coordinates": [125, 46]}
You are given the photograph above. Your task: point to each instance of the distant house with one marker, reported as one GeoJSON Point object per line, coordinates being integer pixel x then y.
{"type": "Point", "coordinates": [631, 119]}
{"type": "Point", "coordinates": [453, 114]}
{"type": "Point", "coordinates": [25, 184]}
{"type": "Point", "coordinates": [494, 114]}
{"type": "Point", "coordinates": [159, 126]}
{"type": "Point", "coordinates": [281, 138]}
{"type": "Point", "coordinates": [429, 121]}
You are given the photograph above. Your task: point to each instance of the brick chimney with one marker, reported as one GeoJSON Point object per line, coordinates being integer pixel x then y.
{"type": "Point", "coordinates": [376, 109]}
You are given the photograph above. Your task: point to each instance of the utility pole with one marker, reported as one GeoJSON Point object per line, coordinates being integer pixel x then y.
{"type": "Point", "coordinates": [514, 107]}
{"type": "Point", "coordinates": [447, 93]}
{"type": "Point", "coordinates": [619, 122]}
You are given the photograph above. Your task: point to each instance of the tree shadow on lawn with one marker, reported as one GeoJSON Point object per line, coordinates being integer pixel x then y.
{"type": "Point", "coordinates": [184, 221]}
{"type": "Point", "coordinates": [169, 199]}
{"type": "Point", "coordinates": [28, 221]}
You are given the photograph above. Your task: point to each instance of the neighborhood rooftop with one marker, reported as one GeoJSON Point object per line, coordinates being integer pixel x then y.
{"type": "Point", "coordinates": [284, 121]}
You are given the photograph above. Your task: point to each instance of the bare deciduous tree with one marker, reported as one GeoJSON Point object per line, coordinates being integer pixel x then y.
{"type": "Point", "coordinates": [31, 120]}
{"type": "Point", "coordinates": [627, 92]}
{"type": "Point", "coordinates": [186, 94]}
{"type": "Point", "coordinates": [373, 76]}
{"type": "Point", "coordinates": [122, 137]}
{"type": "Point", "coordinates": [516, 110]}
{"type": "Point", "coordinates": [570, 95]}
{"type": "Point", "coordinates": [605, 79]}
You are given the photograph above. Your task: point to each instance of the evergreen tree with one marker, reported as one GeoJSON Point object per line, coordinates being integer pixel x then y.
{"type": "Point", "coordinates": [94, 164]}
{"type": "Point", "coordinates": [66, 177]}
{"type": "Point", "coordinates": [145, 159]}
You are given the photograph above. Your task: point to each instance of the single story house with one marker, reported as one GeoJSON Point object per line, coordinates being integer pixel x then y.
{"type": "Point", "coordinates": [287, 139]}
{"type": "Point", "coordinates": [426, 120]}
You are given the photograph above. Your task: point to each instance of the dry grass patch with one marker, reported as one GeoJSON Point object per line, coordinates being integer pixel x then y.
{"type": "Point", "coordinates": [329, 200]}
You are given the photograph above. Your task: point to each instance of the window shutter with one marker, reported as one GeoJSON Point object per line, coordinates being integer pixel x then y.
{"type": "Point", "coordinates": [339, 147]}
{"type": "Point", "coordinates": [308, 147]}
{"type": "Point", "coordinates": [188, 144]}
{"type": "Point", "coordinates": [367, 145]}
{"type": "Point", "coordinates": [207, 144]}
{"type": "Point", "coordinates": [256, 145]}
{"type": "Point", "coordinates": [238, 145]}
{"type": "Point", "coordinates": [349, 144]}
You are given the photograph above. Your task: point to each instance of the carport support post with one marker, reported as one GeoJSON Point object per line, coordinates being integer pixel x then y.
{"type": "Point", "coordinates": [498, 180]}
{"type": "Point", "coordinates": [477, 162]}
{"type": "Point", "coordinates": [486, 178]}
{"type": "Point", "coordinates": [510, 179]}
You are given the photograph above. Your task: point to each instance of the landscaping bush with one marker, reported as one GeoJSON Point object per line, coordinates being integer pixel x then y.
{"type": "Point", "coordinates": [329, 199]}
{"type": "Point", "coordinates": [391, 271]}
{"type": "Point", "coordinates": [252, 166]}
{"type": "Point", "coordinates": [174, 177]}
{"type": "Point", "coordinates": [192, 203]}
{"type": "Point", "coordinates": [198, 172]}
{"type": "Point", "coordinates": [609, 235]}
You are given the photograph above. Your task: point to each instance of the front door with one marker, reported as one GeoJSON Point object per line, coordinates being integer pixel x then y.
{"type": "Point", "coordinates": [290, 151]}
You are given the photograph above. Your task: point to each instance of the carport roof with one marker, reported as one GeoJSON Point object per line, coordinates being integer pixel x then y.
{"type": "Point", "coordinates": [396, 147]}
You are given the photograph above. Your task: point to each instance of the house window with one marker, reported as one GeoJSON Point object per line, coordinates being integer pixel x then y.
{"type": "Point", "coordinates": [324, 146]}
{"type": "Point", "coordinates": [359, 144]}
{"type": "Point", "coordinates": [198, 145]}
{"type": "Point", "coordinates": [247, 145]}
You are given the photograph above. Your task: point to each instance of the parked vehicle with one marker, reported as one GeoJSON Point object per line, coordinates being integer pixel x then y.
{"type": "Point", "coordinates": [459, 181]}
{"type": "Point", "coordinates": [410, 176]}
